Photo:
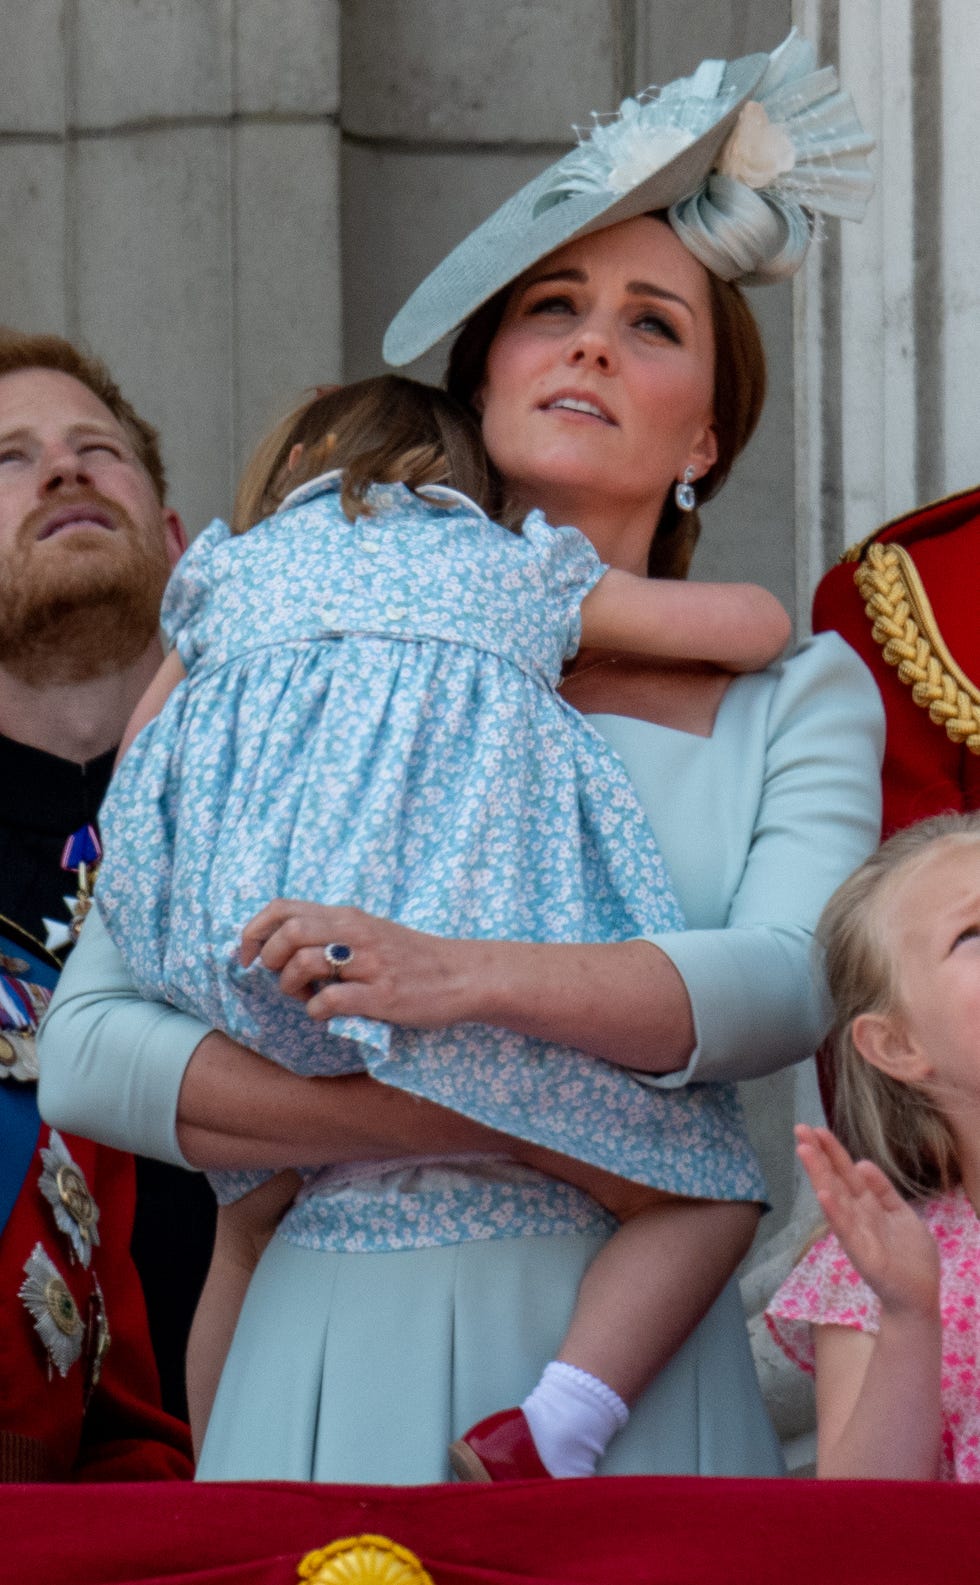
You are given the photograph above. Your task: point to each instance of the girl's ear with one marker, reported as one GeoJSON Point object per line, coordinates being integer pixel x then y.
{"type": "Point", "coordinates": [294, 455]}
{"type": "Point", "coordinates": [883, 1040]}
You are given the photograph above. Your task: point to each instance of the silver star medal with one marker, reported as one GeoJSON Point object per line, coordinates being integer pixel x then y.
{"type": "Point", "coordinates": [56, 1318]}
{"type": "Point", "coordinates": [18, 1056]}
{"type": "Point", "coordinates": [63, 1185]}
{"type": "Point", "coordinates": [61, 934]}
{"type": "Point", "coordinates": [59, 931]}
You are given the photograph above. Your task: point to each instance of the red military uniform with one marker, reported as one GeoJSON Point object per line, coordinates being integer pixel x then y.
{"type": "Point", "coordinates": [79, 1393]}
{"type": "Point", "coordinates": [101, 1419]}
{"type": "Point", "coordinates": [907, 600]}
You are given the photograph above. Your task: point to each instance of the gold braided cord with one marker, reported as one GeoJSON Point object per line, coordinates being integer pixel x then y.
{"type": "Point", "coordinates": [906, 628]}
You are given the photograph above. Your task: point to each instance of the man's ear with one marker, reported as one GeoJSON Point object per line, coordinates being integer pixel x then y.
{"type": "Point", "coordinates": [175, 535]}
{"type": "Point", "coordinates": [883, 1040]}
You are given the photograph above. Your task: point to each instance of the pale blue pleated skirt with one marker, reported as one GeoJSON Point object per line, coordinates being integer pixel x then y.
{"type": "Point", "coordinates": [364, 1367]}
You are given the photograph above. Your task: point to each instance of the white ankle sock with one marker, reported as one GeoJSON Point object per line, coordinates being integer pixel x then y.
{"type": "Point", "coordinates": [573, 1417]}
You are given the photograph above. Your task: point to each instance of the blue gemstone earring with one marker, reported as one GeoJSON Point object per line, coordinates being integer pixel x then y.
{"type": "Point", "coordinates": [684, 491]}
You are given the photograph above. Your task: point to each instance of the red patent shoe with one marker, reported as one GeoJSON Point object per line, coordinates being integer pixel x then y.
{"type": "Point", "coordinates": [498, 1448]}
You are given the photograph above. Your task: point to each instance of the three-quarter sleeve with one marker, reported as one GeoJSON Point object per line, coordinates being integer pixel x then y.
{"type": "Point", "coordinates": [111, 1063]}
{"type": "Point", "coordinates": [756, 989]}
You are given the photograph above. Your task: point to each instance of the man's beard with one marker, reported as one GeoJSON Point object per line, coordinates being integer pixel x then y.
{"type": "Point", "coordinates": [84, 607]}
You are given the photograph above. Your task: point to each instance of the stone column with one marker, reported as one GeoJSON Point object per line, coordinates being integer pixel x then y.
{"type": "Point", "coordinates": [169, 189]}
{"type": "Point", "coordinates": [888, 317]}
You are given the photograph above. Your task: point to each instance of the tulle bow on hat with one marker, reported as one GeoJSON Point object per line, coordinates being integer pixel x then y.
{"type": "Point", "coordinates": [798, 149]}
{"type": "Point", "coordinates": [740, 155]}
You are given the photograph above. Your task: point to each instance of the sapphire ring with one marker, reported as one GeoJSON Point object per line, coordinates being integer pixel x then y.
{"type": "Point", "coordinates": [337, 955]}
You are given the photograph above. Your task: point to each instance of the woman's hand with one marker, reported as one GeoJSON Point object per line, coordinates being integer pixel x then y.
{"type": "Point", "coordinates": [623, 1001]}
{"type": "Point", "coordinates": [887, 1244]}
{"type": "Point", "coordinates": [403, 976]}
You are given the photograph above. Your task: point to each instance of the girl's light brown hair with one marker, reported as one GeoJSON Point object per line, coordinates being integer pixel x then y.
{"type": "Point", "coordinates": [383, 431]}
{"type": "Point", "coordinates": [739, 394]}
{"type": "Point", "coordinates": [898, 1126]}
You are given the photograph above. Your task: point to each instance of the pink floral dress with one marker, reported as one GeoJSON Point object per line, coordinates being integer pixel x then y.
{"type": "Point", "coordinates": [825, 1290]}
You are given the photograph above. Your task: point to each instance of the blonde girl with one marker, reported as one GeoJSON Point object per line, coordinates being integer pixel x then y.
{"type": "Point", "coordinates": [884, 1308]}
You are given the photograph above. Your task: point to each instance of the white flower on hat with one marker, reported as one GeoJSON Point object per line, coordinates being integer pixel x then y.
{"type": "Point", "coordinates": [618, 153]}
{"type": "Point", "coordinates": [758, 150]}
{"type": "Point", "coordinates": [634, 150]}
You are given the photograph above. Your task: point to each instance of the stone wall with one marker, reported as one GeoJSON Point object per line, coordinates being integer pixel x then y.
{"type": "Point", "coordinates": [888, 314]}
{"type": "Point", "coordinates": [228, 199]}
{"type": "Point", "coordinates": [169, 192]}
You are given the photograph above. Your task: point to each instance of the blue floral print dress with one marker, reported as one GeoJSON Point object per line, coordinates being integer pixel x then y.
{"type": "Point", "coordinates": [370, 717]}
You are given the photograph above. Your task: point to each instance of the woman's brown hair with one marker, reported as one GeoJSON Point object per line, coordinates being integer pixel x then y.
{"type": "Point", "coordinates": [383, 431]}
{"type": "Point", "coordinates": [740, 391]}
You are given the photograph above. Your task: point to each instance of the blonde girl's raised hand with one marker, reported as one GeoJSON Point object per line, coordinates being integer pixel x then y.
{"type": "Point", "coordinates": [881, 1235]}
{"type": "Point", "coordinates": [879, 1412]}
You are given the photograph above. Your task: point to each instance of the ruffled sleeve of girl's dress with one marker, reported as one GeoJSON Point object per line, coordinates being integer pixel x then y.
{"type": "Point", "coordinates": [822, 1290]}
{"type": "Point", "coordinates": [186, 599]}
{"type": "Point", "coordinates": [567, 567]}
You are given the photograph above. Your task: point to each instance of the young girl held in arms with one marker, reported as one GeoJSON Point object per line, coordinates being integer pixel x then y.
{"type": "Point", "coordinates": [883, 1308]}
{"type": "Point", "coordinates": [361, 712]}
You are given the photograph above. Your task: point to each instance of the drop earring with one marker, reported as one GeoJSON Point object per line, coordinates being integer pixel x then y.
{"type": "Point", "coordinates": [684, 491]}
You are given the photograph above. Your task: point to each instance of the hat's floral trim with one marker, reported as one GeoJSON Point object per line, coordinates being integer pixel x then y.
{"type": "Point", "coordinates": [797, 149]}
{"type": "Point", "coordinates": [905, 626]}
{"type": "Point", "coordinates": [620, 151]}
{"type": "Point", "coordinates": [758, 150]}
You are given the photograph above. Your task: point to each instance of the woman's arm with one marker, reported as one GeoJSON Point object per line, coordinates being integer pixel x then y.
{"type": "Point", "coordinates": [142, 1076]}
{"type": "Point", "coordinates": [625, 1001]}
{"type": "Point", "coordinates": [738, 626]}
{"type": "Point", "coordinates": [236, 1109]}
{"type": "Point", "coordinates": [732, 1001]}
{"type": "Point", "coordinates": [756, 990]}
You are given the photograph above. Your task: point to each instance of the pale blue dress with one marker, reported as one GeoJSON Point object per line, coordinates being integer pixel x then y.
{"type": "Point", "coordinates": [370, 717]}
{"type": "Point", "coordinates": [362, 1364]}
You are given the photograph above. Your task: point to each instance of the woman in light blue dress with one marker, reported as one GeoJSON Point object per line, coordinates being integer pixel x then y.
{"type": "Point", "coordinates": [366, 713]}
{"type": "Point", "coordinates": [409, 1296]}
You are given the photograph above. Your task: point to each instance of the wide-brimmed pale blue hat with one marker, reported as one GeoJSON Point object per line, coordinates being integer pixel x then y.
{"type": "Point", "coordinates": [739, 156]}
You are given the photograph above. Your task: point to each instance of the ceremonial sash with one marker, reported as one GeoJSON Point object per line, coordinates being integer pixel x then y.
{"type": "Point", "coordinates": [28, 975]}
{"type": "Point", "coordinates": [20, 1124]}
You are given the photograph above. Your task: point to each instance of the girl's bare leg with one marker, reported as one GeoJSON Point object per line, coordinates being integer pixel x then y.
{"type": "Point", "coordinates": [643, 1294]}
{"type": "Point", "coordinates": [244, 1228]}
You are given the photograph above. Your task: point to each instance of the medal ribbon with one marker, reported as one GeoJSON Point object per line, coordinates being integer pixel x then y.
{"type": "Point", "coordinates": [82, 847]}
